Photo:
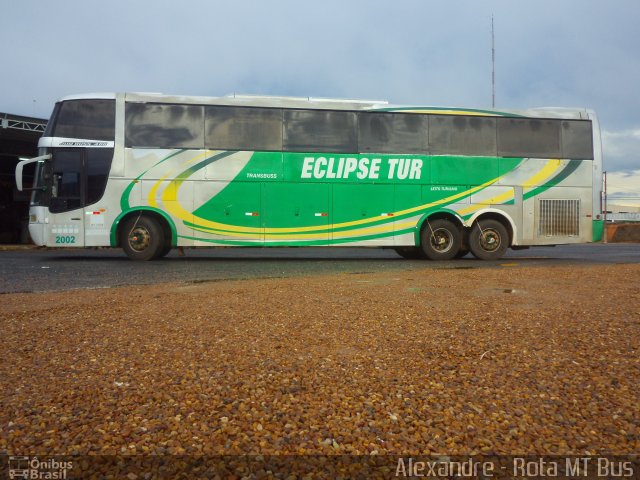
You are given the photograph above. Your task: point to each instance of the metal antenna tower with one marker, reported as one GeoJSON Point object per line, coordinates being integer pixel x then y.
{"type": "Point", "coordinates": [493, 65]}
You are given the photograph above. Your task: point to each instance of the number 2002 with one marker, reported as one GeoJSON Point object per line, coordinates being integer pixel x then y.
{"type": "Point", "coordinates": [65, 239]}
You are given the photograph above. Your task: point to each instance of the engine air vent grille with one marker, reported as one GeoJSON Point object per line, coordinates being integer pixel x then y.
{"type": "Point", "coordinates": [559, 218]}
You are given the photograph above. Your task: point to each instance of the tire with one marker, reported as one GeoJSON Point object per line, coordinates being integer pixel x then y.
{"type": "Point", "coordinates": [142, 238]}
{"type": "Point", "coordinates": [410, 253]}
{"type": "Point", "coordinates": [462, 253]}
{"type": "Point", "coordinates": [441, 239]}
{"type": "Point", "coordinates": [488, 240]}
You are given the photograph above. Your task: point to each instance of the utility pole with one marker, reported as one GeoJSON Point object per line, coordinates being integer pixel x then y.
{"type": "Point", "coordinates": [493, 65]}
{"type": "Point", "coordinates": [604, 211]}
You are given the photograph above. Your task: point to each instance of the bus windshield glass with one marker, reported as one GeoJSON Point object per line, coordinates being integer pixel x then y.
{"type": "Point", "coordinates": [86, 119]}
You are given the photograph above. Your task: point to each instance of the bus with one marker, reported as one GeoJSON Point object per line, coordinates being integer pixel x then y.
{"type": "Point", "coordinates": [150, 172]}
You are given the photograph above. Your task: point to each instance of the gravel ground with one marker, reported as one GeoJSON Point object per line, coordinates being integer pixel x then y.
{"type": "Point", "coordinates": [517, 360]}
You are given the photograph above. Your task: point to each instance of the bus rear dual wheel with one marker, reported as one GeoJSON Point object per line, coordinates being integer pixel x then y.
{"type": "Point", "coordinates": [443, 240]}
{"type": "Point", "coordinates": [488, 239]}
{"type": "Point", "coordinates": [142, 238]}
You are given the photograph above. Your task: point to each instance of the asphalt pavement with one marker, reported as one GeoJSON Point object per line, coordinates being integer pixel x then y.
{"type": "Point", "coordinates": [37, 270]}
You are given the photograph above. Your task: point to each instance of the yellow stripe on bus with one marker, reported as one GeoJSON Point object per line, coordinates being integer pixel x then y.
{"type": "Point", "coordinates": [549, 169]}
{"type": "Point", "coordinates": [312, 236]}
{"type": "Point", "coordinates": [543, 174]}
{"type": "Point", "coordinates": [172, 195]}
{"type": "Point", "coordinates": [451, 112]}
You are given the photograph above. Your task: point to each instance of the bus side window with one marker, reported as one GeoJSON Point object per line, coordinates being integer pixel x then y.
{"type": "Point", "coordinates": [320, 131]}
{"type": "Point", "coordinates": [462, 135]}
{"type": "Point", "coordinates": [392, 132]}
{"type": "Point", "coordinates": [577, 139]}
{"type": "Point", "coordinates": [529, 137]}
{"type": "Point", "coordinates": [164, 125]}
{"type": "Point", "coordinates": [243, 128]}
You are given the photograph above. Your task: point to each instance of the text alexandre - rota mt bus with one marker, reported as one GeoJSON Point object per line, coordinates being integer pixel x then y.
{"type": "Point", "coordinates": [149, 172]}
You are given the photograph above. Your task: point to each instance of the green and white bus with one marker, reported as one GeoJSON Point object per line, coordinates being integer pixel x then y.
{"type": "Point", "coordinates": [149, 172]}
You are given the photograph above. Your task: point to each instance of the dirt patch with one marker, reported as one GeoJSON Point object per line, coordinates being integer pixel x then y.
{"type": "Point", "coordinates": [507, 360]}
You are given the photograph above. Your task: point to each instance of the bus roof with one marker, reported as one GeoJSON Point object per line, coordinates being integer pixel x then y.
{"type": "Point", "coordinates": [335, 104]}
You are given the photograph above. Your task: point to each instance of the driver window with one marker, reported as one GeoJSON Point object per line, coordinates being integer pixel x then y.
{"type": "Point", "coordinates": [66, 193]}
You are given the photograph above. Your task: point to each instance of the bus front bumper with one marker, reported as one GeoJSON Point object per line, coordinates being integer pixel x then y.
{"type": "Point", "coordinates": [38, 225]}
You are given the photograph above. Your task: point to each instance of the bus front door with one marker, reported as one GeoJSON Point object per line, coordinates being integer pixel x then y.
{"type": "Point", "coordinates": [68, 192]}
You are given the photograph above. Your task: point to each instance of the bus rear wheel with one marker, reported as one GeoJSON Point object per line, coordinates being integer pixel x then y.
{"type": "Point", "coordinates": [441, 239]}
{"type": "Point", "coordinates": [142, 238]}
{"type": "Point", "coordinates": [488, 240]}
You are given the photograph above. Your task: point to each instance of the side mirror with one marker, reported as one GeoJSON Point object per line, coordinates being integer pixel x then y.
{"type": "Point", "coordinates": [20, 167]}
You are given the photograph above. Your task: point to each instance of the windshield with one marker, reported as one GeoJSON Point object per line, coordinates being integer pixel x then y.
{"type": "Point", "coordinates": [90, 119]}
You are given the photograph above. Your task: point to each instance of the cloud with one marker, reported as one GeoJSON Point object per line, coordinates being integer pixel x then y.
{"type": "Point", "coordinates": [623, 188]}
{"type": "Point", "coordinates": [621, 150]}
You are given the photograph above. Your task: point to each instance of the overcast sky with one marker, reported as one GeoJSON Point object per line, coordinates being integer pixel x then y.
{"type": "Point", "coordinates": [582, 53]}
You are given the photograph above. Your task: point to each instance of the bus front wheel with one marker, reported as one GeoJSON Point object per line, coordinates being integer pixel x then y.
{"type": "Point", "coordinates": [441, 239]}
{"type": "Point", "coordinates": [488, 240]}
{"type": "Point", "coordinates": [142, 238]}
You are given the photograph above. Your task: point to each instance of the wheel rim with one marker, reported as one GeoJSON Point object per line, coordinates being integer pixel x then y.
{"type": "Point", "coordinates": [139, 239]}
{"type": "Point", "coordinates": [441, 240]}
{"type": "Point", "coordinates": [490, 240]}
